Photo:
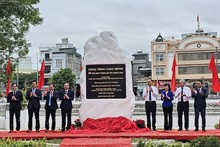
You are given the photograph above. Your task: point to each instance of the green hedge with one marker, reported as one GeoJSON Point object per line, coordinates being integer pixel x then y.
{"type": "Point", "coordinates": [209, 141]}
{"type": "Point", "coordinates": [8, 142]}
{"type": "Point", "coordinates": [162, 144]}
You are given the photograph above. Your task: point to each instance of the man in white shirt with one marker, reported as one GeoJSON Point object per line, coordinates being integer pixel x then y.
{"type": "Point", "coordinates": [183, 94]}
{"type": "Point", "coordinates": [150, 94]}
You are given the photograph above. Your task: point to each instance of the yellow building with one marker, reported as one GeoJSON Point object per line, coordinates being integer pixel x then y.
{"type": "Point", "coordinates": [192, 52]}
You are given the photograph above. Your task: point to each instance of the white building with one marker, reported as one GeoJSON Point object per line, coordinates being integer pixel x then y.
{"type": "Point", "coordinates": [193, 53]}
{"type": "Point", "coordinates": [63, 55]}
{"type": "Point", "coordinates": [141, 70]}
{"type": "Point", "coordinates": [25, 65]}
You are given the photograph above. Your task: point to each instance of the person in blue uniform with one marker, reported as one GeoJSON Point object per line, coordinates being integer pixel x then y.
{"type": "Point", "coordinates": [167, 97]}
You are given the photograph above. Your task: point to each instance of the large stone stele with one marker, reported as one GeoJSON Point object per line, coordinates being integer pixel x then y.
{"type": "Point", "coordinates": [106, 89]}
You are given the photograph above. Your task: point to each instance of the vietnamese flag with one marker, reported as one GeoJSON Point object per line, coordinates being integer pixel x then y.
{"type": "Point", "coordinates": [215, 80]}
{"type": "Point", "coordinates": [41, 79]}
{"type": "Point", "coordinates": [8, 71]}
{"type": "Point", "coordinates": [173, 80]}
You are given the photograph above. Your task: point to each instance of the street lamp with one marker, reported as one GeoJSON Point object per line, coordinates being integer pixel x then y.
{"type": "Point", "coordinates": [216, 53]}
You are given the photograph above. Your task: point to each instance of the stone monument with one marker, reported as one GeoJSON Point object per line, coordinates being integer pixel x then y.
{"type": "Point", "coordinates": [106, 80]}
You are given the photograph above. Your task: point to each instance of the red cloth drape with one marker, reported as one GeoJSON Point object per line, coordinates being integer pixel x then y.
{"type": "Point", "coordinates": [41, 79]}
{"type": "Point", "coordinates": [173, 80]}
{"type": "Point", "coordinates": [215, 80]}
{"type": "Point", "coordinates": [108, 124]}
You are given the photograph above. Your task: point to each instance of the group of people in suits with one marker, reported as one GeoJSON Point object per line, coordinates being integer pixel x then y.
{"type": "Point", "coordinates": [33, 96]}
{"type": "Point", "coordinates": [182, 94]}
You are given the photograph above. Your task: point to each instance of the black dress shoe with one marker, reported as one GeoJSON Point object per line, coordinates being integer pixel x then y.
{"type": "Point", "coordinates": [62, 130]}
{"type": "Point", "coordinates": [203, 130]}
{"type": "Point", "coordinates": [179, 129]}
{"type": "Point", "coordinates": [29, 131]}
{"type": "Point", "coordinates": [46, 130]}
{"type": "Point", "coordinates": [187, 130]}
{"type": "Point", "coordinates": [196, 130]}
{"type": "Point", "coordinates": [37, 131]}
{"type": "Point", "coordinates": [154, 129]}
{"type": "Point", "coordinates": [10, 131]}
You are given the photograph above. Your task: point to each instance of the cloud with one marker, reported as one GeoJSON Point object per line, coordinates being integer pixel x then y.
{"type": "Point", "coordinates": [135, 23]}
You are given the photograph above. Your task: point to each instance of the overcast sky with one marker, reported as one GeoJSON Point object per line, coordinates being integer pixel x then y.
{"type": "Point", "coordinates": [135, 22]}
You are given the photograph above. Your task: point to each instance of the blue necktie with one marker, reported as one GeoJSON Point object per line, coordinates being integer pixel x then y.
{"type": "Point", "coordinates": [50, 98]}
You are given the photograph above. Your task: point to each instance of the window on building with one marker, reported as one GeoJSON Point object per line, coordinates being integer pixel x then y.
{"type": "Point", "coordinates": [46, 81]}
{"type": "Point", "coordinates": [140, 58]}
{"type": "Point", "coordinates": [47, 69]}
{"type": "Point", "coordinates": [159, 70]}
{"type": "Point", "coordinates": [159, 57]}
{"type": "Point", "coordinates": [47, 55]}
{"type": "Point", "coordinates": [194, 70]}
{"type": "Point", "coordinates": [194, 56]}
{"type": "Point", "coordinates": [139, 67]}
{"type": "Point", "coordinates": [58, 63]}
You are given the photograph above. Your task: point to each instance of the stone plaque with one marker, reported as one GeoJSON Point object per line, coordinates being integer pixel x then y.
{"type": "Point", "coordinates": [105, 81]}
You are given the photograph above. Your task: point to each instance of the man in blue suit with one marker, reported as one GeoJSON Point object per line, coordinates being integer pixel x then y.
{"type": "Point", "coordinates": [199, 94]}
{"type": "Point", "coordinates": [66, 96]}
{"type": "Point", "coordinates": [51, 107]}
{"type": "Point", "coordinates": [33, 96]}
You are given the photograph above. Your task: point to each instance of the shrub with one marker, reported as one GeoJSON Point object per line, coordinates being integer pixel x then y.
{"type": "Point", "coordinates": [209, 141]}
{"type": "Point", "coordinates": [141, 143]}
{"type": "Point", "coordinates": [216, 126]}
{"type": "Point", "coordinates": [8, 142]}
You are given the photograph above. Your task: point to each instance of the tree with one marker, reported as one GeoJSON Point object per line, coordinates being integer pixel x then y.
{"type": "Point", "coordinates": [25, 80]}
{"type": "Point", "coordinates": [16, 16]}
{"type": "Point", "coordinates": [63, 76]}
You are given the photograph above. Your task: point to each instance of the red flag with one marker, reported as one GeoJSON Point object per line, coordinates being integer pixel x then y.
{"type": "Point", "coordinates": [41, 79]}
{"type": "Point", "coordinates": [8, 67]}
{"type": "Point", "coordinates": [8, 71]}
{"type": "Point", "coordinates": [198, 18]}
{"type": "Point", "coordinates": [173, 81]}
{"type": "Point", "coordinates": [8, 86]}
{"type": "Point", "coordinates": [215, 80]}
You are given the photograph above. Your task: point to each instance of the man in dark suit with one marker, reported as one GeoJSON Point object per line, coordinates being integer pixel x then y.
{"type": "Point", "coordinates": [33, 96]}
{"type": "Point", "coordinates": [199, 94]}
{"type": "Point", "coordinates": [66, 96]}
{"type": "Point", "coordinates": [14, 98]}
{"type": "Point", "coordinates": [51, 106]}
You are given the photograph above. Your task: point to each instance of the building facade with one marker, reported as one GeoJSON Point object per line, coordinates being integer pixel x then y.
{"type": "Point", "coordinates": [193, 53]}
{"type": "Point", "coordinates": [141, 70]}
{"type": "Point", "coordinates": [25, 65]}
{"type": "Point", "coordinates": [63, 55]}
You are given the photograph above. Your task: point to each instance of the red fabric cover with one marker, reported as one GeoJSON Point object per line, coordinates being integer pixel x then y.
{"type": "Point", "coordinates": [108, 124]}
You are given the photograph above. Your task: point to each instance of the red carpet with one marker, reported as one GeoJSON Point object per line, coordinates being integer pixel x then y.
{"type": "Point", "coordinates": [96, 142]}
{"type": "Point", "coordinates": [176, 135]}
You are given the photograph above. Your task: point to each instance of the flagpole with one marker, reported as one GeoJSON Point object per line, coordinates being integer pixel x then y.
{"type": "Point", "coordinates": [216, 53]}
{"type": "Point", "coordinates": [37, 67]}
